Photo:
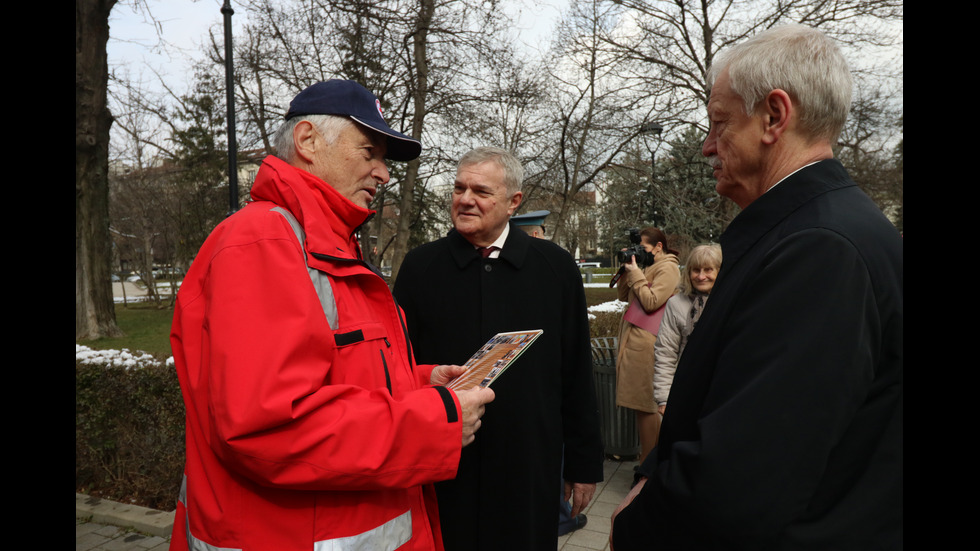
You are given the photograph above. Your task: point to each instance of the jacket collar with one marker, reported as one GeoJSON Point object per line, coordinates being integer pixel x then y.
{"type": "Point", "coordinates": [779, 202]}
{"type": "Point", "coordinates": [514, 250]}
{"type": "Point", "coordinates": [329, 219]}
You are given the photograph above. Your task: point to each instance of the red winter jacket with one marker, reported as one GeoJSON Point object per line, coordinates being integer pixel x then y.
{"type": "Point", "coordinates": [303, 432]}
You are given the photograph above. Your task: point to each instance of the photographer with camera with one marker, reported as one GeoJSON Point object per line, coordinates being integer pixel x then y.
{"type": "Point", "coordinates": [649, 276]}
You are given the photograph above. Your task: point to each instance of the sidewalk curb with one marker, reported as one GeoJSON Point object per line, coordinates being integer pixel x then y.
{"type": "Point", "coordinates": [141, 519]}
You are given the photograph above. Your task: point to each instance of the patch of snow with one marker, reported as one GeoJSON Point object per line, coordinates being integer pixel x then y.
{"type": "Point", "coordinates": [613, 306]}
{"type": "Point", "coordinates": [118, 358]}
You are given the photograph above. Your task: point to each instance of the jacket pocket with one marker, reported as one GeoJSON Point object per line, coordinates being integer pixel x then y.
{"type": "Point", "coordinates": [364, 345]}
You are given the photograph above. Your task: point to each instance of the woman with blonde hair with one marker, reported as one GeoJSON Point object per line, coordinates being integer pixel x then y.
{"type": "Point", "coordinates": [646, 290]}
{"type": "Point", "coordinates": [681, 315]}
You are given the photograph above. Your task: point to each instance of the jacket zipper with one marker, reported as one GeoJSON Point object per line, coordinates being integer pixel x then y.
{"type": "Point", "coordinates": [384, 362]}
{"type": "Point", "coordinates": [408, 339]}
{"type": "Point", "coordinates": [375, 271]}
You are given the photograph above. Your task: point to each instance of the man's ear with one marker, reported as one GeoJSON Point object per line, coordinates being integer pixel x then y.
{"type": "Point", "coordinates": [779, 110]}
{"type": "Point", "coordinates": [515, 201]}
{"type": "Point", "coordinates": [304, 140]}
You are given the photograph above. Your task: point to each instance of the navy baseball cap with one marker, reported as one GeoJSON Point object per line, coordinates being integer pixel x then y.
{"type": "Point", "coordinates": [347, 98]}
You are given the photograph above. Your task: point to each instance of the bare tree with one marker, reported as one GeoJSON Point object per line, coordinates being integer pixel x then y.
{"type": "Point", "coordinates": [419, 92]}
{"type": "Point", "coordinates": [94, 312]}
{"type": "Point", "coordinates": [870, 147]}
{"type": "Point", "coordinates": [598, 109]}
{"type": "Point", "coordinates": [136, 150]}
{"type": "Point", "coordinates": [677, 41]}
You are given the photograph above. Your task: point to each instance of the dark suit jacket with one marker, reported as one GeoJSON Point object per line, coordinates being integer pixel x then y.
{"type": "Point", "coordinates": [505, 495]}
{"type": "Point", "coordinates": [784, 429]}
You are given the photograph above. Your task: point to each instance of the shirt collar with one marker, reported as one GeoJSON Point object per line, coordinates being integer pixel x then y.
{"type": "Point", "coordinates": [499, 242]}
{"type": "Point", "coordinates": [788, 175]}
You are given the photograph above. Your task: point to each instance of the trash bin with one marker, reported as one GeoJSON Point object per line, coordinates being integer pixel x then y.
{"type": "Point", "coordinates": [619, 434]}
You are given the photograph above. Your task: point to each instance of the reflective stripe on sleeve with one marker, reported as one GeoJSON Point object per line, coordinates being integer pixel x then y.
{"type": "Point", "coordinates": [387, 537]}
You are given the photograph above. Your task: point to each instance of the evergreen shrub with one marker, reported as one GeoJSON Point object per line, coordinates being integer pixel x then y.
{"type": "Point", "coordinates": [129, 433]}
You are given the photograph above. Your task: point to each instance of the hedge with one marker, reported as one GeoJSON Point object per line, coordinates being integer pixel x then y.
{"type": "Point", "coordinates": [129, 434]}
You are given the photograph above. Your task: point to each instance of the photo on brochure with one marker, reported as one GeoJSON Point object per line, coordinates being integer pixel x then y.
{"type": "Point", "coordinates": [490, 361]}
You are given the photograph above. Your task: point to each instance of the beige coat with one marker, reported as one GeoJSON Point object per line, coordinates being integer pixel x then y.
{"type": "Point", "coordinates": [634, 361]}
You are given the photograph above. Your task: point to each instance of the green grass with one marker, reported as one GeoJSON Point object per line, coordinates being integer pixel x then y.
{"type": "Point", "coordinates": [145, 327]}
{"type": "Point", "coordinates": [598, 295]}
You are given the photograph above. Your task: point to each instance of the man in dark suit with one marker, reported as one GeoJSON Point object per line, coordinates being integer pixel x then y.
{"type": "Point", "coordinates": [784, 429]}
{"type": "Point", "coordinates": [488, 277]}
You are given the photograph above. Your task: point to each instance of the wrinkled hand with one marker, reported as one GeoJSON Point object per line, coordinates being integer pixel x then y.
{"type": "Point", "coordinates": [625, 503]}
{"type": "Point", "coordinates": [580, 494]}
{"type": "Point", "coordinates": [472, 403]}
{"type": "Point", "coordinates": [442, 374]}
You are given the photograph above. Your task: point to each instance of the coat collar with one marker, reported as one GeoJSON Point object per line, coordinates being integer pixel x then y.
{"type": "Point", "coordinates": [772, 207]}
{"type": "Point", "coordinates": [329, 219]}
{"type": "Point", "coordinates": [514, 250]}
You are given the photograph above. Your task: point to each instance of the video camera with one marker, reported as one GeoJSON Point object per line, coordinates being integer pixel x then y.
{"type": "Point", "coordinates": [625, 256]}
{"type": "Point", "coordinates": [643, 258]}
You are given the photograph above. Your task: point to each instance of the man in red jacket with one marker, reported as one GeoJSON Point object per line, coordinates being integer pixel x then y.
{"type": "Point", "coordinates": [309, 425]}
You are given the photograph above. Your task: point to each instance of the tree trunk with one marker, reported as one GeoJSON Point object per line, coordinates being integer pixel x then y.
{"type": "Point", "coordinates": [146, 266]}
{"type": "Point", "coordinates": [426, 12]}
{"type": "Point", "coordinates": [558, 233]}
{"type": "Point", "coordinates": [94, 311]}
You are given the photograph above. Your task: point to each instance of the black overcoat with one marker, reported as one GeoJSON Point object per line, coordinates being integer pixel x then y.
{"type": "Point", "coordinates": [505, 496]}
{"type": "Point", "coordinates": [784, 428]}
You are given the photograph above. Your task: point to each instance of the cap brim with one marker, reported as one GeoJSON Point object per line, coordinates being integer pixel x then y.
{"type": "Point", "coordinates": [400, 146]}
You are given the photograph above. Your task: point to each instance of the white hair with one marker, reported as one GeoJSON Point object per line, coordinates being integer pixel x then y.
{"type": "Point", "coordinates": [329, 126]}
{"type": "Point", "coordinates": [799, 60]}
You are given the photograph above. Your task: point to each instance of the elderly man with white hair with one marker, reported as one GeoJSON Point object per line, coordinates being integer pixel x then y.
{"type": "Point", "coordinates": [784, 429]}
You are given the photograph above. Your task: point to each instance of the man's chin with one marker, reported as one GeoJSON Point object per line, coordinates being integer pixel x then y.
{"type": "Point", "coordinates": [465, 223]}
{"type": "Point", "coordinates": [723, 187]}
{"type": "Point", "coordinates": [465, 230]}
{"type": "Point", "coordinates": [362, 199]}
{"type": "Point", "coordinates": [469, 232]}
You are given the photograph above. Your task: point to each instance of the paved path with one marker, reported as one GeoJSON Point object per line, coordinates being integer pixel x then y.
{"type": "Point", "coordinates": [90, 536]}
{"type": "Point", "coordinates": [102, 525]}
{"type": "Point", "coordinates": [618, 476]}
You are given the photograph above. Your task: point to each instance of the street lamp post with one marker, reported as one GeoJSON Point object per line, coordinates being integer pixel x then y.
{"type": "Point", "coordinates": [230, 91]}
{"type": "Point", "coordinates": [655, 129]}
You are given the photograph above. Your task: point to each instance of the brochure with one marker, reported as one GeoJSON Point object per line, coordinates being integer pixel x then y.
{"type": "Point", "coordinates": [490, 361]}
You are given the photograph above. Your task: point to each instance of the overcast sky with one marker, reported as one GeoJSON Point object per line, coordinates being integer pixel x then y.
{"type": "Point", "coordinates": [134, 42]}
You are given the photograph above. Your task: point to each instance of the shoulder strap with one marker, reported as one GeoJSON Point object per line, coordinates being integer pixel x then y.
{"type": "Point", "coordinates": [321, 282]}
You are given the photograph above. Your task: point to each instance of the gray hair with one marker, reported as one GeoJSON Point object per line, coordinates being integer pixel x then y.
{"type": "Point", "coordinates": [702, 256]}
{"type": "Point", "coordinates": [803, 62]}
{"type": "Point", "coordinates": [329, 126]}
{"type": "Point", "coordinates": [513, 171]}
